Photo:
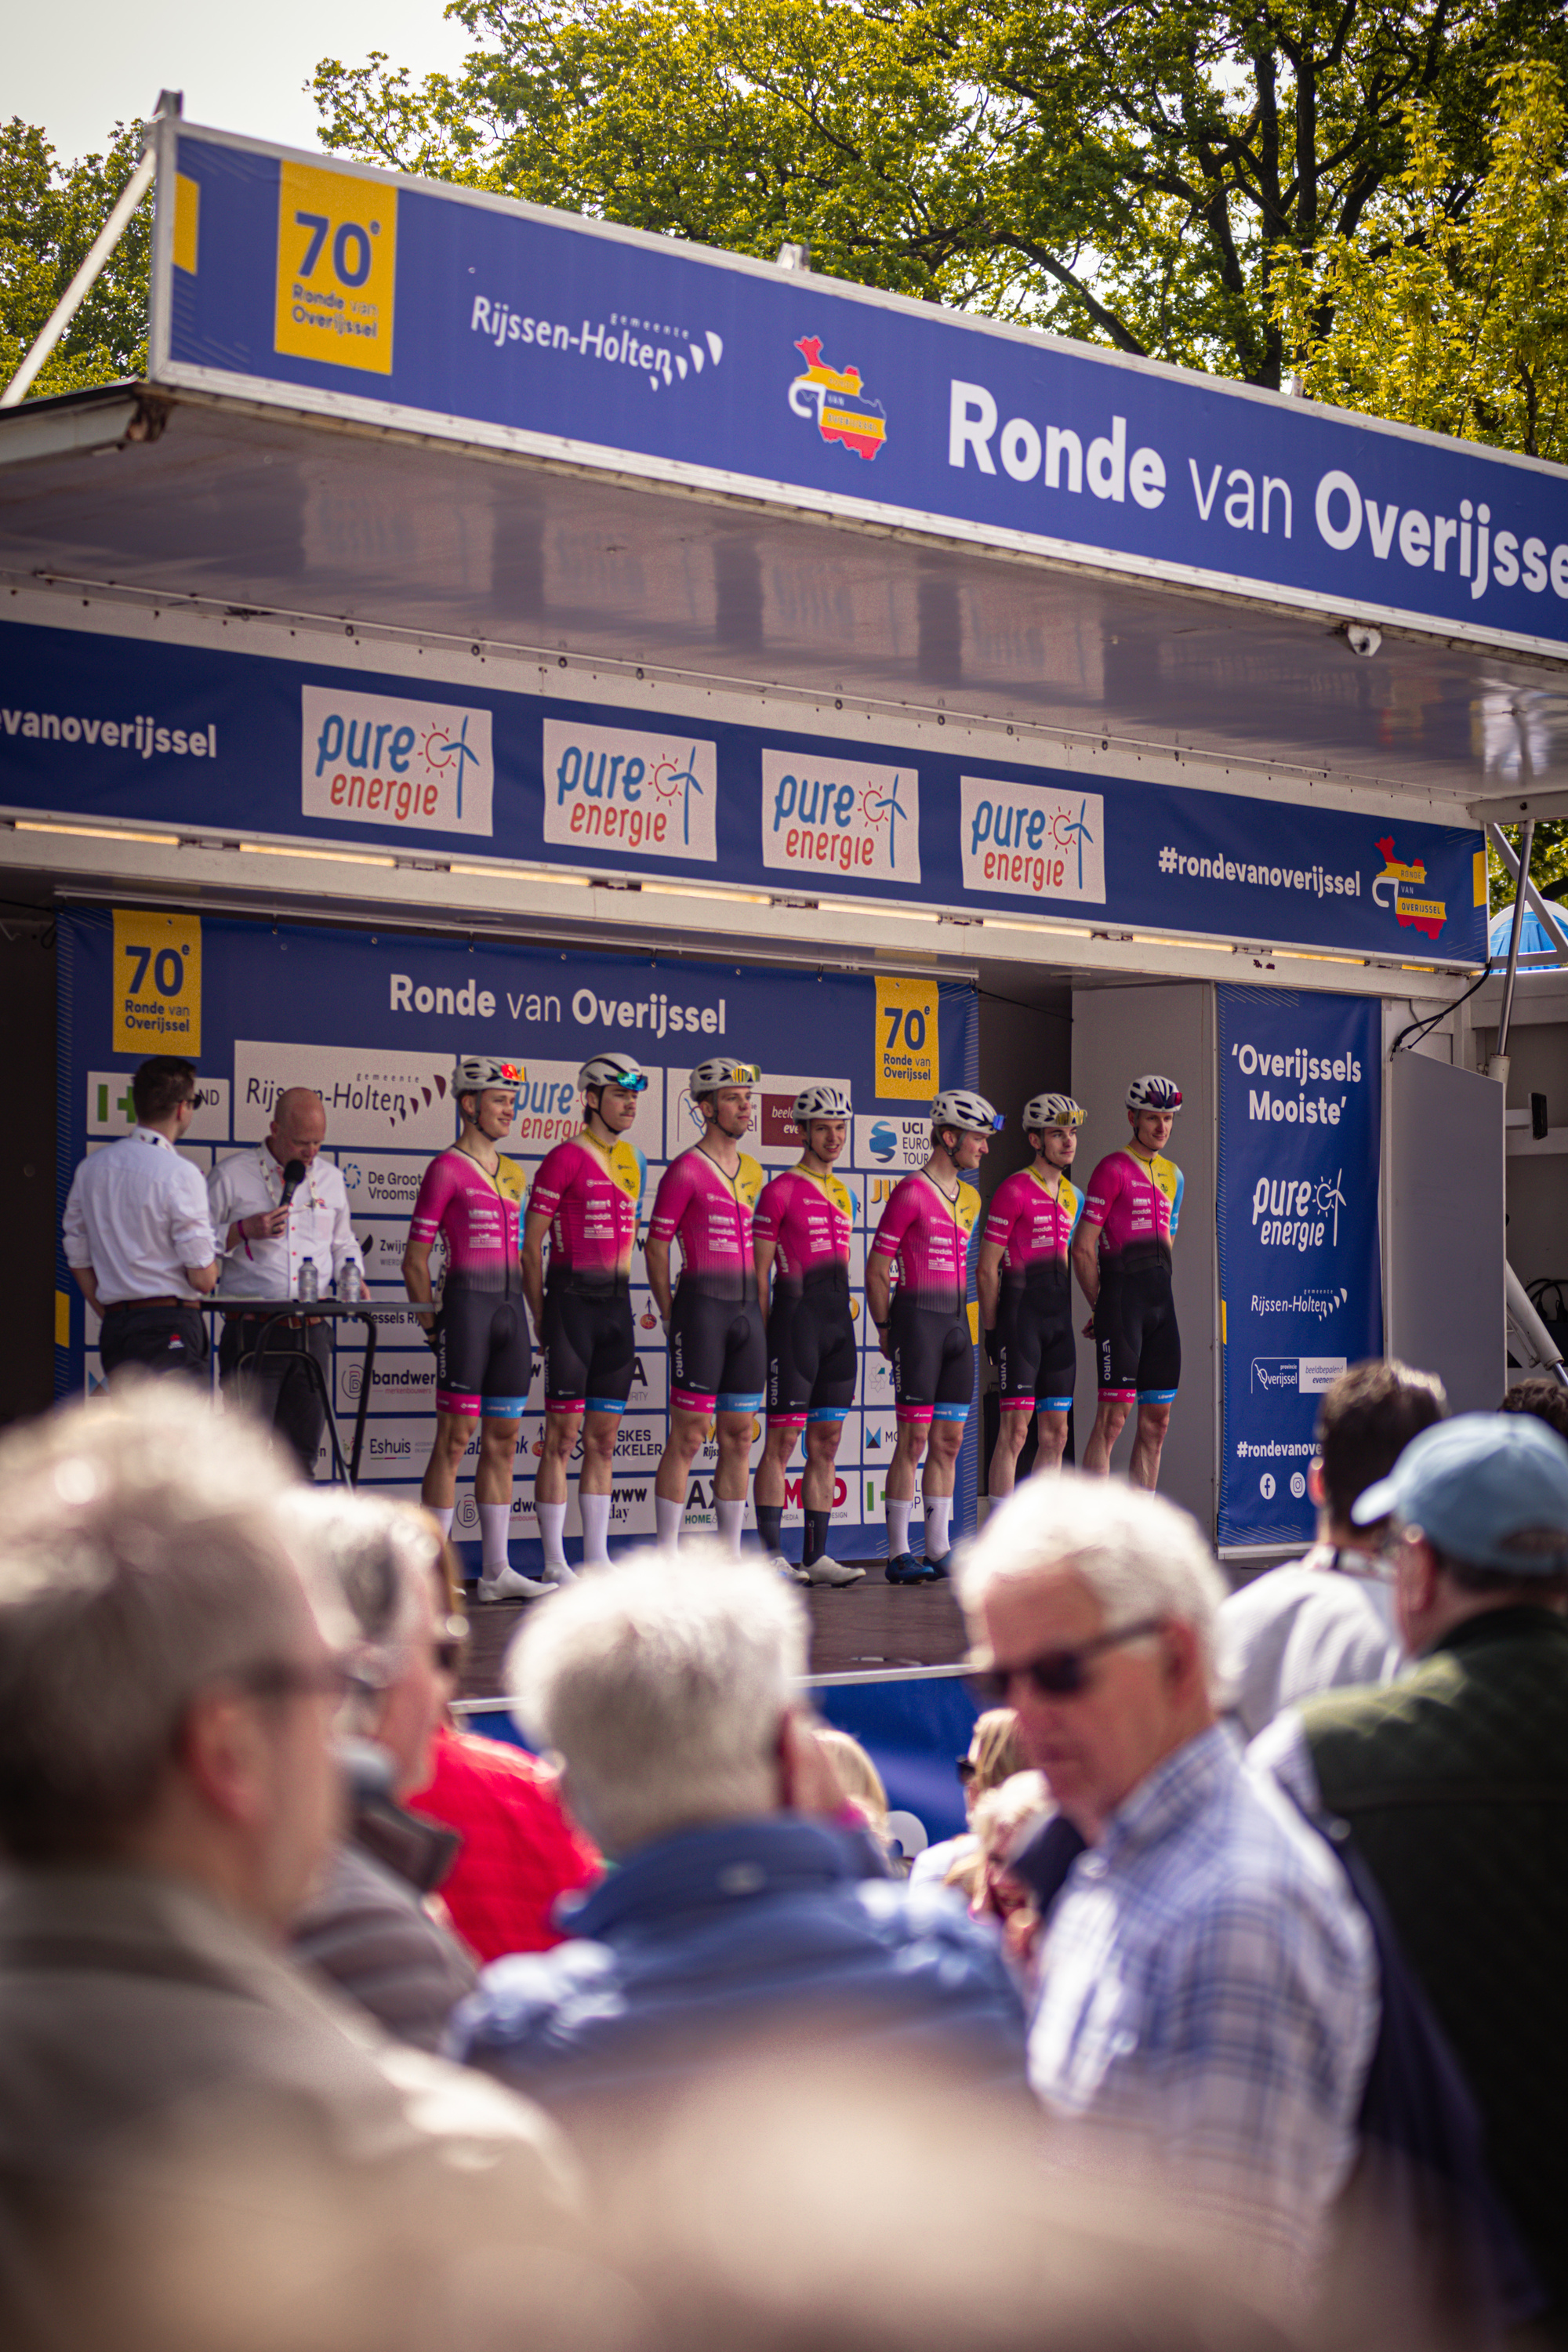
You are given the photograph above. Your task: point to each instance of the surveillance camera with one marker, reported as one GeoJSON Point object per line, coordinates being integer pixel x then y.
{"type": "Point", "coordinates": [1362, 639]}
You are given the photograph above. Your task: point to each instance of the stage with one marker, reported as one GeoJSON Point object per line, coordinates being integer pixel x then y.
{"type": "Point", "coordinates": [867, 1628]}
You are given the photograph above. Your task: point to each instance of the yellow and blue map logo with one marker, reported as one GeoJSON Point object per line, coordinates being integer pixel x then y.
{"type": "Point", "coordinates": [833, 400]}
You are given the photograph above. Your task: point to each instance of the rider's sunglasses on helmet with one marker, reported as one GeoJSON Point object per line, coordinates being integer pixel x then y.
{"type": "Point", "coordinates": [638, 1086]}
{"type": "Point", "coordinates": [1058, 1673]}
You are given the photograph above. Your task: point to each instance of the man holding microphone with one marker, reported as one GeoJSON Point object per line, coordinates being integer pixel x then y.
{"type": "Point", "coordinates": [277, 1209]}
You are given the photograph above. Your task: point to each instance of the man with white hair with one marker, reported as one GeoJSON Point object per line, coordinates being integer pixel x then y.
{"type": "Point", "coordinates": [1208, 1992]}
{"type": "Point", "coordinates": [741, 1907]}
{"type": "Point", "coordinates": [168, 1792]}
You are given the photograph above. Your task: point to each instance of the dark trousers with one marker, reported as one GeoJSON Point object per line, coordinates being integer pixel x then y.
{"type": "Point", "coordinates": [280, 1391]}
{"type": "Point", "coordinates": [155, 1338]}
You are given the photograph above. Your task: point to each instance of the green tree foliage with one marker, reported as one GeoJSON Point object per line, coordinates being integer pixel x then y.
{"type": "Point", "coordinates": [1141, 173]}
{"type": "Point", "coordinates": [49, 215]}
{"type": "Point", "coordinates": [1450, 308]}
{"type": "Point", "coordinates": [1547, 863]}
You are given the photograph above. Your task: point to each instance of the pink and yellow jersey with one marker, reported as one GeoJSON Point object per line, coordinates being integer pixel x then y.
{"type": "Point", "coordinates": [477, 1218]}
{"type": "Point", "coordinates": [590, 1192]}
{"type": "Point", "coordinates": [1137, 1204]}
{"type": "Point", "coordinates": [1033, 1227]}
{"type": "Point", "coordinates": [928, 1235]}
{"type": "Point", "coordinates": [698, 1205]}
{"type": "Point", "coordinates": [808, 1218]}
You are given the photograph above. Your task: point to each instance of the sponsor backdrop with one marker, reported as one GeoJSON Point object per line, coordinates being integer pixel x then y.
{"type": "Point", "coordinates": [1300, 1270]}
{"type": "Point", "coordinates": [260, 1008]}
{"type": "Point", "coordinates": [481, 319]}
{"type": "Point", "coordinates": [127, 731]}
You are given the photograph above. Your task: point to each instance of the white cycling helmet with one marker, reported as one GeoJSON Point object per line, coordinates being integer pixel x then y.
{"type": "Point", "coordinates": [1052, 1110]}
{"type": "Point", "coordinates": [1153, 1094]}
{"type": "Point", "coordinates": [823, 1101]}
{"type": "Point", "coordinates": [971, 1114]}
{"type": "Point", "coordinates": [709, 1076]}
{"type": "Point", "coordinates": [613, 1070]}
{"type": "Point", "coordinates": [475, 1072]}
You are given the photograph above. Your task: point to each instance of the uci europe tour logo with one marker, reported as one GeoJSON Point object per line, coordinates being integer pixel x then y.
{"type": "Point", "coordinates": [832, 398]}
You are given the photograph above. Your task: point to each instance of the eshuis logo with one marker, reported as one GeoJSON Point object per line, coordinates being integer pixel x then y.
{"type": "Point", "coordinates": [834, 398]}
{"type": "Point", "coordinates": [1402, 889]}
{"type": "Point", "coordinates": [398, 765]}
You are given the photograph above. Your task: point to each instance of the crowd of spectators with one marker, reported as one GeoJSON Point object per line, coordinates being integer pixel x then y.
{"type": "Point", "coordinates": [1232, 2015]}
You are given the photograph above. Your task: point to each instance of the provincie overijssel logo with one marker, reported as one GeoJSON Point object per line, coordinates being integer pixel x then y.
{"type": "Point", "coordinates": [833, 398]}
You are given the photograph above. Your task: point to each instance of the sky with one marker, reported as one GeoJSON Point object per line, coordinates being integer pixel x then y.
{"type": "Point", "coordinates": [97, 62]}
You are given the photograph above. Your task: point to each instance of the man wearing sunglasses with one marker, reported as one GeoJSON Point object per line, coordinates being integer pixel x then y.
{"type": "Point", "coordinates": [586, 1196]}
{"type": "Point", "coordinates": [138, 1234]}
{"type": "Point", "coordinates": [1208, 1990]}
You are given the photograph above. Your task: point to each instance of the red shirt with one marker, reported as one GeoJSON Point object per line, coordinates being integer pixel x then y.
{"type": "Point", "coordinates": [520, 1847]}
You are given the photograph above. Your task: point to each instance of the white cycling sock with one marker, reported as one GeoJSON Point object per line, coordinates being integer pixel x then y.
{"type": "Point", "coordinates": [898, 1518]}
{"type": "Point", "coordinates": [666, 1519]}
{"type": "Point", "coordinates": [495, 1518]}
{"type": "Point", "coordinates": [443, 1514]}
{"type": "Point", "coordinates": [595, 1510]}
{"type": "Point", "coordinates": [552, 1527]}
{"type": "Point", "coordinates": [939, 1518]}
{"type": "Point", "coordinates": [731, 1518]}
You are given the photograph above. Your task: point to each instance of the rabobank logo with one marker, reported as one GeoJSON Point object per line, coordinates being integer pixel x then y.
{"type": "Point", "coordinates": [630, 793]}
{"type": "Point", "coordinates": [395, 764]}
{"type": "Point", "coordinates": [833, 399]}
{"type": "Point", "coordinates": [1032, 841]}
{"type": "Point", "coordinates": [838, 816]}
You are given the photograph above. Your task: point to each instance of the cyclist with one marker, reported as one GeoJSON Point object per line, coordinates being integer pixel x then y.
{"type": "Point", "coordinates": [586, 1196]}
{"type": "Point", "coordinates": [484, 1357]}
{"type": "Point", "coordinates": [718, 1355]}
{"type": "Point", "coordinates": [1025, 1290]}
{"type": "Point", "coordinates": [1122, 1255]}
{"type": "Point", "coordinates": [924, 1327]}
{"type": "Point", "coordinates": [801, 1236]}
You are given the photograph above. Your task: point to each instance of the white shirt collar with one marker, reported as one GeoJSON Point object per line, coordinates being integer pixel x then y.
{"type": "Point", "coordinates": [150, 1135]}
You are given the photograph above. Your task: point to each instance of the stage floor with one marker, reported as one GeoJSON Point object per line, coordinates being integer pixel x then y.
{"type": "Point", "coordinates": [856, 1628]}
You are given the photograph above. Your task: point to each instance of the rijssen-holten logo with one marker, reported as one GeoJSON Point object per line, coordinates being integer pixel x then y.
{"type": "Point", "coordinates": [1402, 889]}
{"type": "Point", "coordinates": [833, 399]}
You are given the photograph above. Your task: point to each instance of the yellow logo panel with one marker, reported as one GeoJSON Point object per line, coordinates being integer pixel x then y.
{"type": "Point", "coordinates": [157, 983]}
{"type": "Point", "coordinates": [337, 267]}
{"type": "Point", "coordinates": [906, 1039]}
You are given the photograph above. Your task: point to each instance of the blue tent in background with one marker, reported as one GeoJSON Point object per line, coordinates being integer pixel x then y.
{"type": "Point", "coordinates": [1535, 948]}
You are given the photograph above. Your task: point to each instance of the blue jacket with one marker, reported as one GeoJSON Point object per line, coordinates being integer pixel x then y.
{"type": "Point", "coordinates": [715, 1936]}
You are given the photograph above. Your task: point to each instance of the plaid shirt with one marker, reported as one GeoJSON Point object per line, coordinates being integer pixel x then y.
{"type": "Point", "coordinates": [1209, 2000]}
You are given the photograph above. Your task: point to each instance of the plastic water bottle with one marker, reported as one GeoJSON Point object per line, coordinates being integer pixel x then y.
{"type": "Point", "coordinates": [350, 1289]}
{"type": "Point", "coordinates": [309, 1280]}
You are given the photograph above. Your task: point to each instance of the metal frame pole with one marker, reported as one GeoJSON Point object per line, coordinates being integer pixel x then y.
{"type": "Point", "coordinates": [1526, 836]}
{"type": "Point", "coordinates": [97, 253]}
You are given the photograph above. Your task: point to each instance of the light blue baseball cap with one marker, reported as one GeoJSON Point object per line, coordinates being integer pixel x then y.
{"type": "Point", "coordinates": [1473, 1483]}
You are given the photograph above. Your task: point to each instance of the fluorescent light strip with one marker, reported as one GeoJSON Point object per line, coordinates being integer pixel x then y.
{"type": "Point", "coordinates": [326, 857]}
{"type": "Point", "coordinates": [523, 874]}
{"type": "Point", "coordinates": [98, 832]}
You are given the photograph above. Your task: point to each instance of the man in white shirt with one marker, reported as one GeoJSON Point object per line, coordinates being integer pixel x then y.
{"type": "Point", "coordinates": [268, 1242]}
{"type": "Point", "coordinates": [138, 1236]}
{"type": "Point", "coordinates": [1326, 1621]}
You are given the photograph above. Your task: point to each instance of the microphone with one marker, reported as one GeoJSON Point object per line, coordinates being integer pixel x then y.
{"type": "Point", "coordinates": [293, 1177]}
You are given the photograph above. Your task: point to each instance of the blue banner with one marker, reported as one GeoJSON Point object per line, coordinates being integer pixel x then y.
{"type": "Point", "coordinates": [460, 313]}
{"type": "Point", "coordinates": [134, 731]}
{"type": "Point", "coordinates": [1299, 1269]}
{"type": "Point", "coordinates": [259, 1008]}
